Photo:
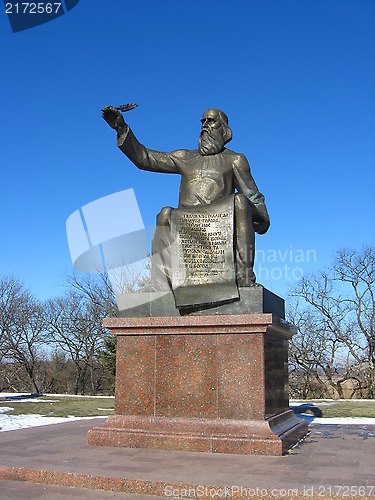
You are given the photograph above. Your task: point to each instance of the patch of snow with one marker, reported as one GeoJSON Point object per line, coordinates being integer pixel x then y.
{"type": "Point", "coordinates": [13, 422]}
{"type": "Point", "coordinates": [36, 400]}
{"type": "Point", "coordinates": [331, 401]}
{"type": "Point", "coordinates": [13, 394]}
{"type": "Point", "coordinates": [5, 409]}
{"type": "Point", "coordinates": [79, 396]}
{"type": "Point", "coordinates": [337, 420]}
{"type": "Point", "coordinates": [297, 402]}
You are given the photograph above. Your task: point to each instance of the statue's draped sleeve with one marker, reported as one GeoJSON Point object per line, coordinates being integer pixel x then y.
{"type": "Point", "coordinates": [147, 159]}
{"type": "Point", "coordinates": [245, 184]}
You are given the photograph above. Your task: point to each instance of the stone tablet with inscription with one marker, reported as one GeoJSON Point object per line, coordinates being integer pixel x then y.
{"type": "Point", "coordinates": [203, 269]}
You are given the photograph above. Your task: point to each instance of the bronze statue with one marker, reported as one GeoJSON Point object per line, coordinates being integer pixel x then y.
{"type": "Point", "coordinates": [208, 174]}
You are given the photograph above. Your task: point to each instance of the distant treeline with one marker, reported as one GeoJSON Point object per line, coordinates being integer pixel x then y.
{"type": "Point", "coordinates": [60, 346]}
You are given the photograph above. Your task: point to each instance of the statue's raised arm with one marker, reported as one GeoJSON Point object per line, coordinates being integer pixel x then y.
{"type": "Point", "coordinates": [142, 157]}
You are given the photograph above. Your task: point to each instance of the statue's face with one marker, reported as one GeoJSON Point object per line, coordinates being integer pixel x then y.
{"type": "Point", "coordinates": [210, 120]}
{"type": "Point", "coordinates": [211, 138]}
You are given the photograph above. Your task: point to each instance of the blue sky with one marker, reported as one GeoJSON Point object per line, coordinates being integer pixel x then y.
{"type": "Point", "coordinates": [295, 77]}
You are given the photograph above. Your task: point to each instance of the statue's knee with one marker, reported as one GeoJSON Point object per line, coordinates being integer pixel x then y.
{"type": "Point", "coordinates": [243, 216]}
{"type": "Point", "coordinates": [164, 217]}
{"type": "Point", "coordinates": [241, 205]}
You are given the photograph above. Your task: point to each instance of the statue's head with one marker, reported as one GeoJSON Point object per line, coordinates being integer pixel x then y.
{"type": "Point", "coordinates": [215, 132]}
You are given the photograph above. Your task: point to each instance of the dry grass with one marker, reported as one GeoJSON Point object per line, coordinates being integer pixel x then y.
{"type": "Point", "coordinates": [61, 406]}
{"type": "Point", "coordinates": [343, 408]}
{"type": "Point", "coordinates": [84, 406]}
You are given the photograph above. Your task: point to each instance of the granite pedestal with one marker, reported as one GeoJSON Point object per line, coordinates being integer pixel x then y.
{"type": "Point", "coordinates": [207, 383]}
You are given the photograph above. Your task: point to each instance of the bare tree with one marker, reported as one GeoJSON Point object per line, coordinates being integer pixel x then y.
{"type": "Point", "coordinates": [336, 338]}
{"type": "Point", "coordinates": [75, 328]}
{"type": "Point", "coordinates": [22, 328]}
{"type": "Point", "coordinates": [357, 271]}
{"type": "Point", "coordinates": [100, 291]}
{"type": "Point", "coordinates": [305, 356]}
{"type": "Point", "coordinates": [96, 289]}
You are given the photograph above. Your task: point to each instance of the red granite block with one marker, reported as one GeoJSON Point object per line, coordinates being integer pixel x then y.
{"type": "Point", "coordinates": [199, 435]}
{"type": "Point", "coordinates": [135, 375]}
{"type": "Point", "coordinates": [216, 384]}
{"type": "Point", "coordinates": [241, 376]}
{"type": "Point", "coordinates": [186, 325]}
{"type": "Point", "coordinates": [186, 376]}
{"type": "Point", "coordinates": [238, 446]}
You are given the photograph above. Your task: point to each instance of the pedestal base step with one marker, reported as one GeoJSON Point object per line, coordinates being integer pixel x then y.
{"type": "Point", "coordinates": [273, 436]}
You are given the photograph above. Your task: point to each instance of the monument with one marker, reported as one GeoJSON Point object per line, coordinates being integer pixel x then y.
{"type": "Point", "coordinates": [202, 354]}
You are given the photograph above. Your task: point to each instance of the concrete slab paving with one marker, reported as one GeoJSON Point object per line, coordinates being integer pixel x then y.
{"type": "Point", "coordinates": [331, 459]}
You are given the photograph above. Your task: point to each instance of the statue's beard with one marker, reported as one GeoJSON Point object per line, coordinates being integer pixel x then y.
{"type": "Point", "coordinates": [211, 142]}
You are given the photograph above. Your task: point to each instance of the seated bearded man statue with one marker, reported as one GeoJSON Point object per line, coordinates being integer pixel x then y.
{"type": "Point", "coordinates": [208, 174]}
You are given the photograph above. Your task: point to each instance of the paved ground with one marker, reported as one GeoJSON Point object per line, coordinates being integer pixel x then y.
{"type": "Point", "coordinates": [17, 490]}
{"type": "Point", "coordinates": [331, 459]}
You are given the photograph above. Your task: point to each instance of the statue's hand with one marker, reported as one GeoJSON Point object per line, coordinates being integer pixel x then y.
{"type": "Point", "coordinates": [261, 227]}
{"type": "Point", "coordinates": [114, 119]}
